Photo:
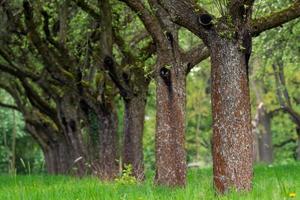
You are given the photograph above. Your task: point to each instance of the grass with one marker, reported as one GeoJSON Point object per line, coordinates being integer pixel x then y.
{"type": "Point", "coordinates": [272, 183]}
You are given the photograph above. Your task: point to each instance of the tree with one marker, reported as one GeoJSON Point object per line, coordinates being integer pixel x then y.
{"type": "Point", "coordinates": [169, 73]}
{"type": "Point", "coordinates": [229, 40]}
{"type": "Point", "coordinates": [51, 73]}
{"type": "Point", "coordinates": [131, 79]}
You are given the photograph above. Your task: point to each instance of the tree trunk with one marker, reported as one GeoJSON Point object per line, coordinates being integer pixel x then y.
{"type": "Point", "coordinates": [133, 134]}
{"type": "Point", "coordinates": [170, 124]}
{"type": "Point", "coordinates": [107, 166]}
{"type": "Point", "coordinates": [265, 137]}
{"type": "Point", "coordinates": [264, 133]}
{"type": "Point", "coordinates": [54, 147]}
{"type": "Point", "coordinates": [50, 161]}
{"type": "Point", "coordinates": [69, 119]}
{"type": "Point", "coordinates": [232, 136]}
{"type": "Point", "coordinates": [57, 158]}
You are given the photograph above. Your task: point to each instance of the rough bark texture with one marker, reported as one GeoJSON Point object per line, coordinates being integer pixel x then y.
{"type": "Point", "coordinates": [170, 127]}
{"type": "Point", "coordinates": [108, 164]}
{"type": "Point", "coordinates": [133, 134]}
{"type": "Point", "coordinates": [68, 107]}
{"type": "Point", "coordinates": [57, 159]}
{"type": "Point", "coordinates": [232, 137]}
{"type": "Point", "coordinates": [54, 147]}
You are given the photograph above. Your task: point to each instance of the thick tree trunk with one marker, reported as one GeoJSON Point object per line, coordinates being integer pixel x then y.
{"type": "Point", "coordinates": [54, 147]}
{"type": "Point", "coordinates": [57, 158]}
{"type": "Point", "coordinates": [170, 126]}
{"type": "Point", "coordinates": [69, 119]}
{"type": "Point", "coordinates": [62, 151]}
{"type": "Point", "coordinates": [133, 134]}
{"type": "Point", "coordinates": [50, 161]}
{"type": "Point", "coordinates": [232, 137]}
{"type": "Point", "coordinates": [107, 166]}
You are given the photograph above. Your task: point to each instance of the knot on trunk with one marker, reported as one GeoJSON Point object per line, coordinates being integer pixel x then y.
{"type": "Point", "coordinates": [108, 62]}
{"type": "Point", "coordinates": [205, 20]}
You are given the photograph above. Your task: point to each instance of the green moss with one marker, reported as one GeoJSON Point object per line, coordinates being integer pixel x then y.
{"type": "Point", "coordinates": [227, 34]}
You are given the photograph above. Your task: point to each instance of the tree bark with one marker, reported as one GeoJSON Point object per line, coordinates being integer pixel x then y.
{"type": "Point", "coordinates": [54, 147]}
{"type": "Point", "coordinates": [69, 119]}
{"type": "Point", "coordinates": [133, 134]}
{"type": "Point", "coordinates": [232, 137]}
{"type": "Point", "coordinates": [170, 124]}
{"type": "Point", "coordinates": [107, 166]}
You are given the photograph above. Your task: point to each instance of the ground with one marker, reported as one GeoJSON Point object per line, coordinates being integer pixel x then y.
{"type": "Point", "coordinates": [270, 182]}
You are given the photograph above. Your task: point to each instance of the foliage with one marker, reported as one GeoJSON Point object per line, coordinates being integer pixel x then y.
{"type": "Point", "coordinates": [26, 148]}
{"type": "Point", "coordinates": [126, 177]}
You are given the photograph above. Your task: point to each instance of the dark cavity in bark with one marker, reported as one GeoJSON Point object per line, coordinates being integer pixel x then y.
{"type": "Point", "coordinates": [165, 74]}
{"type": "Point", "coordinates": [170, 38]}
{"type": "Point", "coordinates": [205, 20]}
{"type": "Point", "coordinates": [247, 44]}
{"type": "Point", "coordinates": [125, 78]}
{"type": "Point", "coordinates": [108, 62]}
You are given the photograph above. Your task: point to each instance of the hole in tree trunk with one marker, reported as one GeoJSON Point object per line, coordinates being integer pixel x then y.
{"type": "Point", "coordinates": [108, 62]}
{"type": "Point", "coordinates": [125, 77]}
{"type": "Point", "coordinates": [165, 74]}
{"type": "Point", "coordinates": [73, 125]}
{"type": "Point", "coordinates": [205, 20]}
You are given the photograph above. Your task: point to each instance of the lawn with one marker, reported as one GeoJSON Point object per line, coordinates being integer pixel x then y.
{"type": "Point", "coordinates": [270, 182]}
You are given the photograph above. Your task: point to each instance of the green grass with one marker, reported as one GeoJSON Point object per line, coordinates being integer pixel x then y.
{"type": "Point", "coordinates": [269, 183]}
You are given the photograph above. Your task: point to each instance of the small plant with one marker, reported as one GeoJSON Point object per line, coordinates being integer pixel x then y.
{"type": "Point", "coordinates": [126, 178]}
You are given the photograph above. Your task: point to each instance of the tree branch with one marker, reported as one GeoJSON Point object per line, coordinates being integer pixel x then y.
{"type": "Point", "coordinates": [18, 73]}
{"type": "Point", "coordinates": [150, 22]}
{"type": "Point", "coordinates": [87, 8]}
{"type": "Point", "coordinates": [4, 105]}
{"type": "Point", "coordinates": [195, 56]}
{"type": "Point", "coordinates": [186, 13]}
{"type": "Point", "coordinates": [291, 140]}
{"type": "Point", "coordinates": [138, 37]}
{"type": "Point", "coordinates": [276, 19]}
{"type": "Point", "coordinates": [37, 101]}
{"type": "Point", "coordinates": [49, 56]}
